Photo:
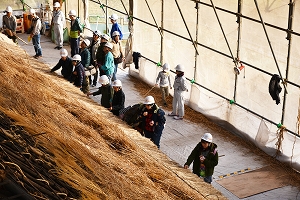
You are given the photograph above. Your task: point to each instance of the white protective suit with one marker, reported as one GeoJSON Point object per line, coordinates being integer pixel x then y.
{"type": "Point", "coordinates": [178, 101]}
{"type": "Point", "coordinates": [58, 20]}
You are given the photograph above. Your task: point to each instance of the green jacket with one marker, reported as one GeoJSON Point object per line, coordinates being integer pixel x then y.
{"type": "Point", "coordinates": [211, 160]}
{"type": "Point", "coordinates": [75, 27]}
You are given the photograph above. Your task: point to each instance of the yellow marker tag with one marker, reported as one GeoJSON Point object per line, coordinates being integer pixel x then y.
{"type": "Point", "coordinates": [29, 38]}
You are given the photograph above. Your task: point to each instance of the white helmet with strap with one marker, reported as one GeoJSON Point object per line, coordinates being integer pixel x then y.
{"type": "Point", "coordinates": [207, 137]}
{"type": "Point", "coordinates": [103, 80]}
{"type": "Point", "coordinates": [63, 53]}
{"type": "Point", "coordinates": [149, 100]}
{"type": "Point", "coordinates": [117, 83]}
{"type": "Point", "coordinates": [77, 57]}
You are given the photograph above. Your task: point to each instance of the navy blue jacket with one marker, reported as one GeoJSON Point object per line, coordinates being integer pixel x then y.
{"type": "Point", "coordinates": [67, 68]}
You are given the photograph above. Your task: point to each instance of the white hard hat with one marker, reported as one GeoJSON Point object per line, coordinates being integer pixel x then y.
{"type": "Point", "coordinates": [63, 53]}
{"type": "Point", "coordinates": [77, 57]}
{"type": "Point", "coordinates": [166, 67]}
{"type": "Point", "coordinates": [56, 5]}
{"type": "Point", "coordinates": [109, 45]}
{"type": "Point", "coordinates": [87, 42]}
{"type": "Point", "coordinates": [32, 11]}
{"type": "Point", "coordinates": [117, 83]}
{"type": "Point", "coordinates": [98, 33]}
{"type": "Point", "coordinates": [103, 80]}
{"type": "Point", "coordinates": [114, 17]}
{"type": "Point", "coordinates": [105, 36]}
{"type": "Point", "coordinates": [8, 9]}
{"type": "Point", "coordinates": [72, 13]}
{"type": "Point", "coordinates": [179, 68]}
{"type": "Point", "coordinates": [207, 137]}
{"type": "Point", "coordinates": [149, 100]}
{"type": "Point", "coordinates": [115, 33]}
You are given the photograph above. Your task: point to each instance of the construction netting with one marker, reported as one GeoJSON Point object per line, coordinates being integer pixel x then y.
{"type": "Point", "coordinates": [259, 43]}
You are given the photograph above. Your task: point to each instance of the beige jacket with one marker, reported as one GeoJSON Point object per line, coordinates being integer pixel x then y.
{"type": "Point", "coordinates": [117, 49]}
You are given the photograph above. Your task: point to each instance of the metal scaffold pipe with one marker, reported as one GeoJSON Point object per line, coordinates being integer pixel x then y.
{"type": "Point", "coordinates": [270, 45]}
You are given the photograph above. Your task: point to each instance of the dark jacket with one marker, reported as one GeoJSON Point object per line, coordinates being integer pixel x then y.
{"type": "Point", "coordinates": [67, 68]}
{"type": "Point", "coordinates": [155, 114]}
{"type": "Point", "coordinates": [118, 102]}
{"type": "Point", "coordinates": [275, 88]}
{"type": "Point", "coordinates": [75, 27]}
{"type": "Point", "coordinates": [211, 160]}
{"type": "Point", "coordinates": [80, 75]}
{"type": "Point", "coordinates": [107, 94]}
{"type": "Point", "coordinates": [100, 56]}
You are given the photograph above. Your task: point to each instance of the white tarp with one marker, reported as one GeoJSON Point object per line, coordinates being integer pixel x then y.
{"type": "Point", "coordinates": [214, 66]}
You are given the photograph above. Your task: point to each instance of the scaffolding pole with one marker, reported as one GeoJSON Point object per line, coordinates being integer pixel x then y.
{"type": "Point", "coordinates": [270, 45]}
{"type": "Point", "coordinates": [162, 33]}
{"type": "Point", "coordinates": [239, 21]}
{"type": "Point", "coordinates": [197, 33]}
{"type": "Point", "coordinates": [187, 28]}
{"type": "Point", "coordinates": [153, 18]}
{"type": "Point", "coordinates": [289, 38]}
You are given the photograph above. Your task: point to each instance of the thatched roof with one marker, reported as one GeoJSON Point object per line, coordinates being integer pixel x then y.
{"type": "Point", "coordinates": [70, 146]}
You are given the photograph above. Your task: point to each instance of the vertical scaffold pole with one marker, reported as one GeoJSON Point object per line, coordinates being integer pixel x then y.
{"type": "Point", "coordinates": [289, 38]}
{"type": "Point", "coordinates": [106, 19]}
{"type": "Point", "coordinates": [162, 34]}
{"type": "Point", "coordinates": [196, 42]}
{"type": "Point", "coordinates": [239, 21]}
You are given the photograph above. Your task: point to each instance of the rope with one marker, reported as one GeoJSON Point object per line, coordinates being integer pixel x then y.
{"type": "Point", "coordinates": [149, 90]}
{"type": "Point", "coordinates": [280, 138]}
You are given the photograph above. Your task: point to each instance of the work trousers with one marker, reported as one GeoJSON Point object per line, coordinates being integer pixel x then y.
{"type": "Point", "coordinates": [36, 39]}
{"type": "Point", "coordinates": [178, 103]}
{"type": "Point", "coordinates": [74, 46]}
{"type": "Point", "coordinates": [58, 34]}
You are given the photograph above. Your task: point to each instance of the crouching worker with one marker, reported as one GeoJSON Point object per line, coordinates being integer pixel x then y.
{"type": "Point", "coordinates": [65, 63]}
{"type": "Point", "coordinates": [106, 91]}
{"type": "Point", "coordinates": [79, 74]}
{"type": "Point", "coordinates": [9, 24]}
{"type": "Point", "coordinates": [153, 120]}
{"type": "Point", "coordinates": [204, 157]}
{"type": "Point", "coordinates": [118, 99]}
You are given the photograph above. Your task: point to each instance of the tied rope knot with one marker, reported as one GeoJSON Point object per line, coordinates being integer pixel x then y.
{"type": "Point", "coordinates": [279, 134]}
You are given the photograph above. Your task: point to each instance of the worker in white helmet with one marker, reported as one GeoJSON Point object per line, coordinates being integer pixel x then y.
{"type": "Point", "coordinates": [204, 157]}
{"type": "Point", "coordinates": [115, 26]}
{"type": "Point", "coordinates": [35, 29]}
{"type": "Point", "coordinates": [58, 20]}
{"type": "Point", "coordinates": [105, 90]}
{"type": "Point", "coordinates": [78, 73]}
{"type": "Point", "coordinates": [164, 82]}
{"type": "Point", "coordinates": [118, 99]}
{"type": "Point", "coordinates": [9, 24]}
{"type": "Point", "coordinates": [117, 52]}
{"type": "Point", "coordinates": [108, 65]}
{"type": "Point", "coordinates": [75, 31]}
{"type": "Point", "coordinates": [93, 51]}
{"type": "Point", "coordinates": [65, 62]}
{"type": "Point", "coordinates": [152, 120]}
{"type": "Point", "coordinates": [86, 62]}
{"type": "Point", "coordinates": [100, 55]}
{"type": "Point", "coordinates": [179, 88]}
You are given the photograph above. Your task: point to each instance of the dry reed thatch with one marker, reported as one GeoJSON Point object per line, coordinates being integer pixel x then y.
{"type": "Point", "coordinates": [95, 153]}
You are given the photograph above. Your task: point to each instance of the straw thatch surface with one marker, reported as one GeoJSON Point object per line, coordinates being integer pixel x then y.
{"type": "Point", "coordinates": [94, 152]}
